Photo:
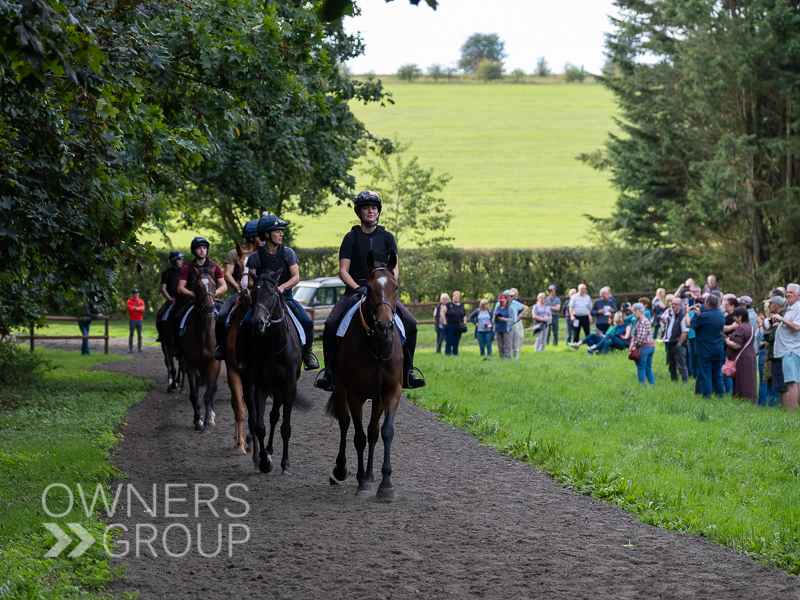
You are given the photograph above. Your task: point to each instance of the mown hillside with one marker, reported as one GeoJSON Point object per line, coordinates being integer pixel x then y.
{"type": "Point", "coordinates": [511, 150]}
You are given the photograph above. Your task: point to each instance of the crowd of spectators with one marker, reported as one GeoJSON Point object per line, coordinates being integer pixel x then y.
{"type": "Point", "coordinates": [718, 340]}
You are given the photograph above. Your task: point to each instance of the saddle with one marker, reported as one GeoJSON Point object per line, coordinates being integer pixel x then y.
{"type": "Point", "coordinates": [353, 307]}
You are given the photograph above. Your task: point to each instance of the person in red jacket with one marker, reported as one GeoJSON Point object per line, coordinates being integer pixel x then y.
{"type": "Point", "coordinates": [135, 312]}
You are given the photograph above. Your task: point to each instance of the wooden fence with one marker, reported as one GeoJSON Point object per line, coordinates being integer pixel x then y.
{"type": "Point", "coordinates": [33, 337]}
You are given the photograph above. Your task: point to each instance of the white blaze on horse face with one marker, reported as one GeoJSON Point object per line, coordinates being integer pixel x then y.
{"type": "Point", "coordinates": [383, 280]}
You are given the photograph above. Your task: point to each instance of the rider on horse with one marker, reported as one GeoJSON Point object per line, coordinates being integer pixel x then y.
{"type": "Point", "coordinates": [232, 278]}
{"type": "Point", "coordinates": [169, 285]}
{"type": "Point", "coordinates": [188, 278]}
{"type": "Point", "coordinates": [274, 257]}
{"type": "Point", "coordinates": [358, 242]}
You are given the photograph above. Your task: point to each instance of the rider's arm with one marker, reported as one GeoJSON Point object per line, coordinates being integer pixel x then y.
{"type": "Point", "coordinates": [294, 270]}
{"type": "Point", "coordinates": [222, 287]}
{"type": "Point", "coordinates": [344, 275]}
{"type": "Point", "coordinates": [183, 291]}
{"type": "Point", "coordinates": [229, 276]}
{"type": "Point", "coordinates": [165, 294]}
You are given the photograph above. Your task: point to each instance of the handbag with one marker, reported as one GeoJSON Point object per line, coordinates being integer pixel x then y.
{"type": "Point", "coordinates": [462, 327]}
{"type": "Point", "coordinates": [634, 352]}
{"type": "Point", "coordinates": [729, 368]}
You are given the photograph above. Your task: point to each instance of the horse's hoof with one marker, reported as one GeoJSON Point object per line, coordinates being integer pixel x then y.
{"type": "Point", "coordinates": [385, 494]}
{"type": "Point", "coordinates": [362, 493]}
{"type": "Point", "coordinates": [206, 430]}
{"type": "Point", "coordinates": [265, 465]}
{"type": "Point", "coordinates": [240, 450]}
{"type": "Point", "coordinates": [212, 422]}
{"type": "Point", "coordinates": [285, 472]}
{"type": "Point", "coordinates": [198, 425]}
{"type": "Point", "coordinates": [335, 480]}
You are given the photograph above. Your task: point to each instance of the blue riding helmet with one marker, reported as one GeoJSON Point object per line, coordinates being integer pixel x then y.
{"type": "Point", "coordinates": [197, 242]}
{"type": "Point", "coordinates": [250, 229]}
{"type": "Point", "coordinates": [269, 223]}
{"type": "Point", "coordinates": [175, 255]}
{"type": "Point", "coordinates": [367, 198]}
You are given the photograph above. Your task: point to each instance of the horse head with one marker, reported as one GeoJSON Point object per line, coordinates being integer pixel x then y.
{"type": "Point", "coordinates": [267, 302]}
{"type": "Point", "coordinates": [382, 290]}
{"type": "Point", "coordinates": [205, 289]}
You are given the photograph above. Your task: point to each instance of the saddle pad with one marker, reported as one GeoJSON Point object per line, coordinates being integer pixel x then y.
{"type": "Point", "coordinates": [185, 320]}
{"type": "Point", "coordinates": [166, 312]}
{"type": "Point", "coordinates": [345, 323]}
{"type": "Point", "coordinates": [298, 326]}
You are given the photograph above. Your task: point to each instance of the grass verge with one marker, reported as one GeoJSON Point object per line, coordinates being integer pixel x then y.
{"type": "Point", "coordinates": [58, 430]}
{"type": "Point", "coordinates": [721, 468]}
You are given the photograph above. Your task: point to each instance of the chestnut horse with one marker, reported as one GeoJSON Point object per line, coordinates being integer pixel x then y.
{"type": "Point", "coordinates": [276, 361]}
{"type": "Point", "coordinates": [197, 349]}
{"type": "Point", "coordinates": [370, 366]}
{"type": "Point", "coordinates": [234, 378]}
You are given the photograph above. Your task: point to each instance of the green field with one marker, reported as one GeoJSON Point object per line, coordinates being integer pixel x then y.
{"type": "Point", "coordinates": [719, 467]}
{"type": "Point", "coordinates": [511, 150]}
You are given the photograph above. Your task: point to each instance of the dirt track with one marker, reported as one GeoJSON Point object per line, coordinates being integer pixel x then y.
{"type": "Point", "coordinates": [466, 521]}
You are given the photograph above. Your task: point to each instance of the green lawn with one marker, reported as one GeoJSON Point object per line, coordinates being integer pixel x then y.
{"type": "Point", "coordinates": [57, 431]}
{"type": "Point", "coordinates": [511, 150]}
{"type": "Point", "coordinates": [721, 467]}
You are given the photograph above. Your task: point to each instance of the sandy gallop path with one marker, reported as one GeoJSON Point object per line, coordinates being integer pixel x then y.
{"type": "Point", "coordinates": [466, 521]}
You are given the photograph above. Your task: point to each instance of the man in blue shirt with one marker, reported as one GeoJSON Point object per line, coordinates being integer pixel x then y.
{"type": "Point", "coordinates": [554, 302]}
{"type": "Point", "coordinates": [709, 346]}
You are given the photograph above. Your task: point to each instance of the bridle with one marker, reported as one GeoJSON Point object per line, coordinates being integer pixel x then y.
{"type": "Point", "coordinates": [270, 310]}
{"type": "Point", "coordinates": [369, 330]}
{"type": "Point", "coordinates": [207, 309]}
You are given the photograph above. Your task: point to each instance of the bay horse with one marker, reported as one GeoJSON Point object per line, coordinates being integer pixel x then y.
{"type": "Point", "coordinates": [197, 349]}
{"type": "Point", "coordinates": [370, 366]}
{"type": "Point", "coordinates": [275, 366]}
{"type": "Point", "coordinates": [176, 377]}
{"type": "Point", "coordinates": [237, 315]}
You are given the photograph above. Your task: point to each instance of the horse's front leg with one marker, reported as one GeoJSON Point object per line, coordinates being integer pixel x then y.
{"type": "Point", "coordinates": [274, 417]}
{"type": "Point", "coordinates": [191, 374]}
{"type": "Point", "coordinates": [360, 442]}
{"type": "Point", "coordinates": [372, 436]}
{"type": "Point", "coordinates": [265, 460]}
{"type": "Point", "coordinates": [249, 401]}
{"type": "Point", "coordinates": [286, 425]}
{"type": "Point", "coordinates": [385, 490]}
{"type": "Point", "coordinates": [211, 389]}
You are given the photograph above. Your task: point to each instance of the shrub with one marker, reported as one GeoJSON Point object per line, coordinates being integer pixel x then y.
{"type": "Point", "coordinates": [489, 70]}
{"type": "Point", "coordinates": [573, 73]}
{"type": "Point", "coordinates": [408, 72]}
{"type": "Point", "coordinates": [518, 74]}
{"type": "Point", "coordinates": [18, 367]}
{"type": "Point", "coordinates": [436, 72]}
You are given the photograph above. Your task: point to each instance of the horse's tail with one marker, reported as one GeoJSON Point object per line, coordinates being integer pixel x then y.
{"type": "Point", "coordinates": [331, 409]}
{"type": "Point", "coordinates": [302, 403]}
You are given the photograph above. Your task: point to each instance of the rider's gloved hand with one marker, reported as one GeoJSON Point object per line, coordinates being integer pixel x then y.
{"type": "Point", "coordinates": [362, 291]}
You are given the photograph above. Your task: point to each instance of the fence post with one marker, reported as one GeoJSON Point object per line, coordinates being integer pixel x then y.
{"type": "Point", "coordinates": [32, 341]}
{"type": "Point", "coordinates": [106, 340]}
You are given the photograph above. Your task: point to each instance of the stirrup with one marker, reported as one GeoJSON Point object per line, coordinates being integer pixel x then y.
{"type": "Point", "coordinates": [324, 380]}
{"type": "Point", "coordinates": [310, 361]}
{"type": "Point", "coordinates": [414, 382]}
{"type": "Point", "coordinates": [219, 353]}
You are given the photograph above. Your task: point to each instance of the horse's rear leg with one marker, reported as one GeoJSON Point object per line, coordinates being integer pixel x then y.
{"type": "Point", "coordinates": [265, 460]}
{"type": "Point", "coordinates": [385, 490]}
{"type": "Point", "coordinates": [249, 402]}
{"type": "Point", "coordinates": [372, 436]}
{"type": "Point", "coordinates": [343, 414]}
{"type": "Point", "coordinates": [274, 417]}
{"type": "Point", "coordinates": [286, 426]}
{"type": "Point", "coordinates": [360, 442]}
{"type": "Point", "coordinates": [235, 384]}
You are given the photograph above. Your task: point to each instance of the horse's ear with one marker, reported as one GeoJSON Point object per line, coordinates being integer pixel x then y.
{"type": "Point", "coordinates": [273, 274]}
{"type": "Point", "coordinates": [239, 250]}
{"type": "Point", "coordinates": [392, 260]}
{"type": "Point", "coordinates": [195, 270]}
{"type": "Point", "coordinates": [370, 261]}
{"type": "Point", "coordinates": [257, 244]}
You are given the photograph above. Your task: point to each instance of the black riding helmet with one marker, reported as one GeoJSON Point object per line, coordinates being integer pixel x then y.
{"type": "Point", "coordinates": [197, 242]}
{"type": "Point", "coordinates": [175, 255]}
{"type": "Point", "coordinates": [366, 198]}
{"type": "Point", "coordinates": [269, 223]}
{"type": "Point", "coordinates": [250, 229]}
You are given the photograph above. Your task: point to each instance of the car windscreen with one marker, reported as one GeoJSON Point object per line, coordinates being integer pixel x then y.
{"type": "Point", "coordinates": [303, 293]}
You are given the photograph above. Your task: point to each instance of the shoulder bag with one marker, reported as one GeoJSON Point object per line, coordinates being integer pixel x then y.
{"type": "Point", "coordinates": [729, 368]}
{"type": "Point", "coordinates": [634, 352]}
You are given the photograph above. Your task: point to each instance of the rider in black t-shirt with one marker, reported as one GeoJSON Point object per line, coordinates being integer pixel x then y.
{"type": "Point", "coordinates": [358, 242]}
{"type": "Point", "coordinates": [169, 287]}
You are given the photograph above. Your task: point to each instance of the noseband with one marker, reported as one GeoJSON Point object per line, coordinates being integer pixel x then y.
{"type": "Point", "coordinates": [208, 309]}
{"type": "Point", "coordinates": [370, 330]}
{"type": "Point", "coordinates": [270, 318]}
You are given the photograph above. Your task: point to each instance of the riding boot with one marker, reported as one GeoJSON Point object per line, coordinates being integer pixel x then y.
{"type": "Point", "coordinates": [243, 347]}
{"type": "Point", "coordinates": [410, 380]}
{"type": "Point", "coordinates": [176, 336]}
{"type": "Point", "coordinates": [309, 360]}
{"type": "Point", "coordinates": [325, 379]}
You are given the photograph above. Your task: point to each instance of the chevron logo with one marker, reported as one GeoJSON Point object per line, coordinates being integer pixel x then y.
{"type": "Point", "coordinates": [63, 540]}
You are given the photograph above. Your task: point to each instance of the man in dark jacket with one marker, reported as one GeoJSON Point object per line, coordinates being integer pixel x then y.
{"type": "Point", "coordinates": [675, 333]}
{"type": "Point", "coordinates": [709, 346]}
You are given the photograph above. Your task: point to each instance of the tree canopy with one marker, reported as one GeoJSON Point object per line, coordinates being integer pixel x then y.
{"type": "Point", "coordinates": [481, 46]}
{"type": "Point", "coordinates": [706, 161]}
{"type": "Point", "coordinates": [113, 114]}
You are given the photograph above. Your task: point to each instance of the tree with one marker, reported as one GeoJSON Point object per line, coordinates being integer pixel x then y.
{"type": "Point", "coordinates": [408, 72]}
{"type": "Point", "coordinates": [542, 69]}
{"type": "Point", "coordinates": [480, 47]}
{"type": "Point", "coordinates": [707, 162]}
{"type": "Point", "coordinates": [330, 10]}
{"type": "Point", "coordinates": [489, 70]}
{"type": "Point", "coordinates": [573, 73]}
{"type": "Point", "coordinates": [518, 74]}
{"type": "Point", "coordinates": [436, 71]}
{"type": "Point", "coordinates": [411, 204]}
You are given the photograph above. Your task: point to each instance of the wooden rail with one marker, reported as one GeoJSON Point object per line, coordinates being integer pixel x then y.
{"type": "Point", "coordinates": [33, 337]}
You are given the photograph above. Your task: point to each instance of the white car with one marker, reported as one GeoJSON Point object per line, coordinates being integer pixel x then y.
{"type": "Point", "coordinates": [318, 297]}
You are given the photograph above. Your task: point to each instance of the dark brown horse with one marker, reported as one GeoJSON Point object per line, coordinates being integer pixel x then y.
{"type": "Point", "coordinates": [276, 360]}
{"type": "Point", "coordinates": [234, 379]}
{"type": "Point", "coordinates": [197, 349]}
{"type": "Point", "coordinates": [166, 332]}
{"type": "Point", "coordinates": [370, 366]}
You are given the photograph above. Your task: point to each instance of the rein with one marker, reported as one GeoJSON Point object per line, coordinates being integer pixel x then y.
{"type": "Point", "coordinates": [274, 321]}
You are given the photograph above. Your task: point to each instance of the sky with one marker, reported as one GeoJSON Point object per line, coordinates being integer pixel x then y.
{"type": "Point", "coordinates": [399, 33]}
